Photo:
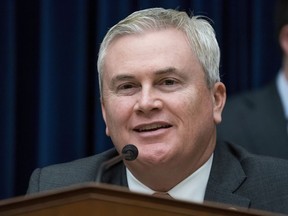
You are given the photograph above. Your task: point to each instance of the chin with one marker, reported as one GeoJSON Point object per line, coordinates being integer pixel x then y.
{"type": "Point", "coordinates": [154, 157]}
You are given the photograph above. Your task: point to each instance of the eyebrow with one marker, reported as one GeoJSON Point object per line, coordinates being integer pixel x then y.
{"type": "Point", "coordinates": [122, 77]}
{"type": "Point", "coordinates": [167, 70]}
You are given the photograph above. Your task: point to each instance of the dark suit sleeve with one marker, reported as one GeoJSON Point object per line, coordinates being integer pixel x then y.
{"type": "Point", "coordinates": [34, 181]}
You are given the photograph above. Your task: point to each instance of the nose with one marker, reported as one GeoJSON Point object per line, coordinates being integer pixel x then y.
{"type": "Point", "coordinates": [148, 101]}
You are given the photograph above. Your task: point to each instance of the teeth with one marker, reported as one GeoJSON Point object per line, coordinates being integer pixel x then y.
{"type": "Point", "coordinates": [152, 127]}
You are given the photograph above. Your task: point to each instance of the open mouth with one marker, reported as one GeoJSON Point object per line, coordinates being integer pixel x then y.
{"type": "Point", "coordinates": [149, 128]}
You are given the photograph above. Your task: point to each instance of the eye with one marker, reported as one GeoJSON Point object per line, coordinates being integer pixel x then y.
{"type": "Point", "coordinates": [127, 88]}
{"type": "Point", "coordinates": [169, 82]}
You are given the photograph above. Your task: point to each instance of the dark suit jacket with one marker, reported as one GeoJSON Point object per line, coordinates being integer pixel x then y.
{"type": "Point", "coordinates": [236, 178]}
{"type": "Point", "coordinates": [256, 120]}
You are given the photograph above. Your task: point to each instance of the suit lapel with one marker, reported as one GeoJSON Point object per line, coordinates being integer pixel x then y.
{"type": "Point", "coordinates": [226, 178]}
{"type": "Point", "coordinates": [116, 175]}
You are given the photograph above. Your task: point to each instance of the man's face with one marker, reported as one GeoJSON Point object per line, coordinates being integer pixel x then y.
{"type": "Point", "coordinates": [155, 96]}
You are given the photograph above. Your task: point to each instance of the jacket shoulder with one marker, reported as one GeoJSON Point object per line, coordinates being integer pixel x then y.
{"type": "Point", "coordinates": [266, 182]}
{"type": "Point", "coordinates": [251, 100]}
{"type": "Point", "coordinates": [245, 179]}
{"type": "Point", "coordinates": [69, 173]}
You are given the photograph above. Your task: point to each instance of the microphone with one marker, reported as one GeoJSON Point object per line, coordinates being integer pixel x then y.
{"type": "Point", "coordinates": [129, 153]}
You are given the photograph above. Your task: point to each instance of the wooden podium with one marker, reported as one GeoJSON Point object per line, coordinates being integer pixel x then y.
{"type": "Point", "coordinates": [105, 200]}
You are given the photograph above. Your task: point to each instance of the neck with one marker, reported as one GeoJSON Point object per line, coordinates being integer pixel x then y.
{"type": "Point", "coordinates": [164, 178]}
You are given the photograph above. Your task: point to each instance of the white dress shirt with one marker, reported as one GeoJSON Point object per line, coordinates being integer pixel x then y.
{"type": "Point", "coordinates": [282, 87]}
{"type": "Point", "coordinates": [190, 189]}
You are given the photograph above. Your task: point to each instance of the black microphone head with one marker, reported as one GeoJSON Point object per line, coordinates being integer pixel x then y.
{"type": "Point", "coordinates": [130, 152]}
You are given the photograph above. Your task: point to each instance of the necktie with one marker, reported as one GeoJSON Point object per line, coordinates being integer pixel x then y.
{"type": "Point", "coordinates": [162, 195]}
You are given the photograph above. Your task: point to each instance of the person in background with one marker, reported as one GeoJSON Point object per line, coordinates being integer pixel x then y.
{"type": "Point", "coordinates": [160, 90]}
{"type": "Point", "coordinates": [258, 119]}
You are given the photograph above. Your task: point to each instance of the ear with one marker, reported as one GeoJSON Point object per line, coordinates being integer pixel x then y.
{"type": "Point", "coordinates": [104, 116]}
{"type": "Point", "coordinates": [283, 39]}
{"type": "Point", "coordinates": [219, 99]}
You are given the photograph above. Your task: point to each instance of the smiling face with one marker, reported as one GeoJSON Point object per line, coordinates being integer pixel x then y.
{"type": "Point", "coordinates": [155, 96]}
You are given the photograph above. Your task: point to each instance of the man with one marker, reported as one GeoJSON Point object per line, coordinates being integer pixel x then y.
{"type": "Point", "coordinates": [258, 120]}
{"type": "Point", "coordinates": [160, 90]}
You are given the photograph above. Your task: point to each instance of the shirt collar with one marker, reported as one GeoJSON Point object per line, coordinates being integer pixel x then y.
{"type": "Point", "coordinates": [282, 87]}
{"type": "Point", "coordinates": [190, 189]}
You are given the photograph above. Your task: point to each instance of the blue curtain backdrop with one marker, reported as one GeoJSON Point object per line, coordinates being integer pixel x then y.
{"type": "Point", "coordinates": [49, 99]}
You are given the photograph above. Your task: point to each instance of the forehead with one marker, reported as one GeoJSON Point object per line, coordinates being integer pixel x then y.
{"type": "Point", "coordinates": [152, 50]}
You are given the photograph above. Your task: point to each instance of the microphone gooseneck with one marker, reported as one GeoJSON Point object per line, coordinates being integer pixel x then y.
{"type": "Point", "coordinates": [129, 153]}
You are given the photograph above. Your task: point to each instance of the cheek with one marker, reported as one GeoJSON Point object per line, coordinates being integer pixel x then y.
{"type": "Point", "coordinates": [197, 109]}
{"type": "Point", "coordinates": [117, 113]}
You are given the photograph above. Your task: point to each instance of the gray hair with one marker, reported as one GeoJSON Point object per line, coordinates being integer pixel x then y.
{"type": "Point", "coordinates": [200, 34]}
